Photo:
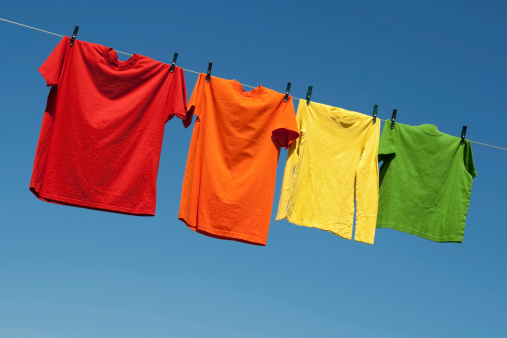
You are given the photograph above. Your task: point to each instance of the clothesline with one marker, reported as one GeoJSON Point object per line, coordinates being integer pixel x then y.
{"type": "Point", "coordinates": [193, 71]}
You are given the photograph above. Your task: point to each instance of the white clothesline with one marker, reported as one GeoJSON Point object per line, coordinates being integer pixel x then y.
{"type": "Point", "coordinates": [193, 71]}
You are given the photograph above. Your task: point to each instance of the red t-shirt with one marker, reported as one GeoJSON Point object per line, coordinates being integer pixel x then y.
{"type": "Point", "coordinates": [101, 136]}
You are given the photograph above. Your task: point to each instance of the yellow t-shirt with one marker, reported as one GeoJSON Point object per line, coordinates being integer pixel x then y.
{"type": "Point", "coordinates": [333, 161]}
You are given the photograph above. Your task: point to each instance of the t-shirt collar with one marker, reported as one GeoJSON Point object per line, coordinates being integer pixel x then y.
{"type": "Point", "coordinates": [252, 94]}
{"type": "Point", "coordinates": [430, 129]}
{"type": "Point", "coordinates": [111, 58]}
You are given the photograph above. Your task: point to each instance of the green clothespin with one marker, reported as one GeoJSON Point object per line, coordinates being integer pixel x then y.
{"type": "Point", "coordinates": [393, 118]}
{"type": "Point", "coordinates": [308, 95]}
{"type": "Point", "coordinates": [174, 63]}
{"type": "Point", "coordinates": [74, 36]}
{"type": "Point", "coordinates": [463, 134]}
{"type": "Point", "coordinates": [375, 107]}
{"type": "Point", "coordinates": [208, 75]}
{"type": "Point", "coordinates": [287, 92]}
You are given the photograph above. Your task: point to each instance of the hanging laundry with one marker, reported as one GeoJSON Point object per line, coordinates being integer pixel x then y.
{"type": "Point", "coordinates": [101, 135]}
{"type": "Point", "coordinates": [332, 164]}
{"type": "Point", "coordinates": [425, 182]}
{"type": "Point", "coordinates": [229, 180]}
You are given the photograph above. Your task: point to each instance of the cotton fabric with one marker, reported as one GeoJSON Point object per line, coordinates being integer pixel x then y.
{"type": "Point", "coordinates": [332, 164]}
{"type": "Point", "coordinates": [230, 174]}
{"type": "Point", "coordinates": [425, 182]}
{"type": "Point", "coordinates": [101, 135]}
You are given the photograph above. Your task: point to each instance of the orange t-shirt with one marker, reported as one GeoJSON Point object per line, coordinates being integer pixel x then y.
{"type": "Point", "coordinates": [230, 175]}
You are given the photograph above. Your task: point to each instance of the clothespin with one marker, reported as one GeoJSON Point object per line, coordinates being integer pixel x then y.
{"type": "Point", "coordinates": [375, 107]}
{"type": "Point", "coordinates": [174, 62]}
{"type": "Point", "coordinates": [308, 95]}
{"type": "Point", "coordinates": [209, 72]}
{"type": "Point", "coordinates": [74, 35]}
{"type": "Point", "coordinates": [463, 133]}
{"type": "Point", "coordinates": [287, 92]}
{"type": "Point", "coordinates": [393, 118]}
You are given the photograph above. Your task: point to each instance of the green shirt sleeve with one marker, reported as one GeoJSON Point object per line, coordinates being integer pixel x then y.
{"type": "Point", "coordinates": [386, 146]}
{"type": "Point", "coordinates": [468, 159]}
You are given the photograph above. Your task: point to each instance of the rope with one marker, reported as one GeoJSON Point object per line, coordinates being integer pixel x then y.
{"type": "Point", "coordinates": [193, 71]}
{"type": "Point", "coordinates": [37, 29]}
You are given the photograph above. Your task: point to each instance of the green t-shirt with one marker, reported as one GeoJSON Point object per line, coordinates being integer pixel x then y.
{"type": "Point", "coordinates": [425, 182]}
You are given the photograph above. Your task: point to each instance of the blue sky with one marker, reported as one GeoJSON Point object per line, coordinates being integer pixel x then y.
{"type": "Point", "coordinates": [72, 272]}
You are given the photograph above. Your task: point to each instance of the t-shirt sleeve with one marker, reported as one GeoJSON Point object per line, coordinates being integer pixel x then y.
{"type": "Point", "coordinates": [469, 159]}
{"type": "Point", "coordinates": [367, 187]}
{"type": "Point", "coordinates": [286, 128]}
{"type": "Point", "coordinates": [51, 69]}
{"type": "Point", "coordinates": [177, 96]}
{"type": "Point", "coordinates": [386, 145]}
{"type": "Point", "coordinates": [194, 104]}
{"type": "Point", "coordinates": [292, 159]}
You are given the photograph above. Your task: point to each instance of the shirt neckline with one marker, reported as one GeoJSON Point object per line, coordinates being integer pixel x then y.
{"type": "Point", "coordinates": [430, 129]}
{"type": "Point", "coordinates": [111, 58]}
{"type": "Point", "coordinates": [252, 94]}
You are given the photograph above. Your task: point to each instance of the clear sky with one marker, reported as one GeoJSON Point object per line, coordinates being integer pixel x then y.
{"type": "Point", "coordinates": [73, 272]}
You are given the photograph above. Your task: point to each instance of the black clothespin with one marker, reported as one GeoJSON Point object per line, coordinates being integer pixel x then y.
{"type": "Point", "coordinates": [209, 72]}
{"type": "Point", "coordinates": [308, 95]}
{"type": "Point", "coordinates": [174, 62]}
{"type": "Point", "coordinates": [287, 92]}
{"type": "Point", "coordinates": [463, 133]}
{"type": "Point", "coordinates": [393, 118]}
{"type": "Point", "coordinates": [375, 107]}
{"type": "Point", "coordinates": [74, 35]}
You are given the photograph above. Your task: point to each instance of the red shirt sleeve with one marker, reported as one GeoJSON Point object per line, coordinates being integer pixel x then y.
{"type": "Point", "coordinates": [53, 66]}
{"type": "Point", "coordinates": [177, 96]}
{"type": "Point", "coordinates": [286, 128]}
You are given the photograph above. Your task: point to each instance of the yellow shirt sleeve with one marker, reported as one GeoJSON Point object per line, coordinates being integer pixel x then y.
{"type": "Point", "coordinates": [367, 188]}
{"type": "Point", "coordinates": [292, 160]}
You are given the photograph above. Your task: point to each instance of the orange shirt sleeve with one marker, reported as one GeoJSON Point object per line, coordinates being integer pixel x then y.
{"type": "Point", "coordinates": [286, 128]}
{"type": "Point", "coordinates": [194, 106]}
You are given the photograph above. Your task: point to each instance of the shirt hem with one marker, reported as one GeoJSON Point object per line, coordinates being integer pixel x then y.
{"type": "Point", "coordinates": [438, 239]}
{"type": "Point", "coordinates": [317, 226]}
{"type": "Point", "coordinates": [225, 235]}
{"type": "Point", "coordinates": [89, 205]}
